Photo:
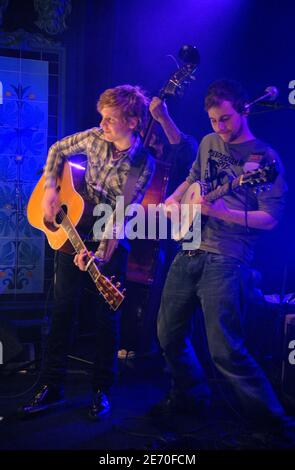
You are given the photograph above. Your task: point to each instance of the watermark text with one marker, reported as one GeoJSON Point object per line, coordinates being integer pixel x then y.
{"type": "Point", "coordinates": [291, 357]}
{"type": "Point", "coordinates": [292, 93]}
{"type": "Point", "coordinates": [159, 222]}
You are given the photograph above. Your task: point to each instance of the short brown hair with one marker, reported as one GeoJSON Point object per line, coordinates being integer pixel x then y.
{"type": "Point", "coordinates": [226, 90]}
{"type": "Point", "coordinates": [131, 100]}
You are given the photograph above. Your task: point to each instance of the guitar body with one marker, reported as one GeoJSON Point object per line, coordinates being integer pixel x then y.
{"type": "Point", "coordinates": [188, 204]}
{"type": "Point", "coordinates": [193, 194]}
{"type": "Point", "coordinates": [69, 198]}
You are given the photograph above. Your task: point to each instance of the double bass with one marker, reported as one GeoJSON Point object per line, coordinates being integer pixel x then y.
{"type": "Point", "coordinates": [144, 254]}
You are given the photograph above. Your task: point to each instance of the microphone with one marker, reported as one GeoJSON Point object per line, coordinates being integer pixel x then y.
{"type": "Point", "coordinates": [270, 93]}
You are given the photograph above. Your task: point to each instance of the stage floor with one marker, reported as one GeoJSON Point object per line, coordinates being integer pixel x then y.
{"type": "Point", "coordinates": [142, 383]}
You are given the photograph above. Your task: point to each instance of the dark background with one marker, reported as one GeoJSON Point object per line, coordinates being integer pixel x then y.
{"type": "Point", "coordinates": [113, 42]}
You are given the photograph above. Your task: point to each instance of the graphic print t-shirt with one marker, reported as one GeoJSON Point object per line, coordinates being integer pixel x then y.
{"type": "Point", "coordinates": [217, 163]}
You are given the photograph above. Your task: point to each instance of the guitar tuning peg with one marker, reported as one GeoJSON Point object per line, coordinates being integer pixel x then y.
{"type": "Point", "coordinates": [118, 284]}
{"type": "Point", "coordinates": [124, 291]}
{"type": "Point", "coordinates": [113, 278]}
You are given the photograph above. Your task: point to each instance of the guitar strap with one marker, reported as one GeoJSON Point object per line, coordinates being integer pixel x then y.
{"type": "Point", "coordinates": [135, 170]}
{"type": "Point", "coordinates": [206, 170]}
{"type": "Point", "coordinates": [134, 173]}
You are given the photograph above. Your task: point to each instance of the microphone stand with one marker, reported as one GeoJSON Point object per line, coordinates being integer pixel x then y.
{"type": "Point", "coordinates": [276, 106]}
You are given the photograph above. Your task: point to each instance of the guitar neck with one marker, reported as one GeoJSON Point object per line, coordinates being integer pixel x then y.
{"type": "Point", "coordinates": [72, 233]}
{"type": "Point", "coordinates": [110, 293]}
{"type": "Point", "coordinates": [150, 126]}
{"type": "Point", "coordinates": [79, 245]}
{"type": "Point", "coordinates": [148, 132]}
{"type": "Point", "coordinates": [172, 87]}
{"type": "Point", "coordinates": [222, 190]}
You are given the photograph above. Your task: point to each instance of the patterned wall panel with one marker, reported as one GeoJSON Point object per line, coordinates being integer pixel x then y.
{"type": "Point", "coordinates": [23, 147]}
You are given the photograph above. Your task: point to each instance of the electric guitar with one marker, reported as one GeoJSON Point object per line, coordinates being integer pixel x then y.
{"type": "Point", "coordinates": [62, 233]}
{"type": "Point", "coordinates": [259, 179]}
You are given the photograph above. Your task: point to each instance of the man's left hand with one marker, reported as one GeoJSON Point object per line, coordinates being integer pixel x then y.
{"type": "Point", "coordinates": [158, 109]}
{"type": "Point", "coordinates": [81, 259]}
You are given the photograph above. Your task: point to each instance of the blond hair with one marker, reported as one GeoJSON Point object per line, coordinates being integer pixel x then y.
{"type": "Point", "coordinates": [131, 100]}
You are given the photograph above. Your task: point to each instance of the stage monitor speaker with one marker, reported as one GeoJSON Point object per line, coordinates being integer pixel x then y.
{"type": "Point", "coordinates": [288, 366]}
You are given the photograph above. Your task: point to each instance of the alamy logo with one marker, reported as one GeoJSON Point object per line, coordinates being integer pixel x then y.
{"type": "Point", "coordinates": [292, 93]}
{"type": "Point", "coordinates": [291, 357]}
{"type": "Point", "coordinates": [1, 93]}
{"type": "Point", "coordinates": [185, 222]}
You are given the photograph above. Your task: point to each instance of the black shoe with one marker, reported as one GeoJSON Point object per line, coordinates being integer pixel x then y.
{"type": "Point", "coordinates": [46, 398]}
{"type": "Point", "coordinates": [284, 434]}
{"type": "Point", "coordinates": [100, 406]}
{"type": "Point", "coordinates": [278, 432]}
{"type": "Point", "coordinates": [174, 404]}
{"type": "Point", "coordinates": [165, 407]}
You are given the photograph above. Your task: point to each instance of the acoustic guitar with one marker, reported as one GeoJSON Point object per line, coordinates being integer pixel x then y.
{"type": "Point", "coordinates": [259, 180]}
{"type": "Point", "coordinates": [63, 230]}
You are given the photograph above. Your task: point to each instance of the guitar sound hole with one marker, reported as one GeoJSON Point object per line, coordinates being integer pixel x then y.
{"type": "Point", "coordinates": [54, 226]}
{"type": "Point", "coordinates": [60, 215]}
{"type": "Point", "coordinates": [50, 226]}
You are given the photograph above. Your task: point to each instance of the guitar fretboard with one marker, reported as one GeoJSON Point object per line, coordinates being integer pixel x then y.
{"type": "Point", "coordinates": [78, 244]}
{"type": "Point", "coordinates": [111, 294]}
{"type": "Point", "coordinates": [223, 190]}
{"type": "Point", "coordinates": [72, 233]}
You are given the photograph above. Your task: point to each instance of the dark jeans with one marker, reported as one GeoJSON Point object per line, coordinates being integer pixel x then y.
{"type": "Point", "coordinates": [69, 281]}
{"type": "Point", "coordinates": [219, 284]}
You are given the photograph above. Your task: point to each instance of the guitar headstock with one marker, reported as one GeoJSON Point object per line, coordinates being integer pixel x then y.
{"type": "Point", "coordinates": [261, 178]}
{"type": "Point", "coordinates": [184, 74]}
{"type": "Point", "coordinates": [110, 291]}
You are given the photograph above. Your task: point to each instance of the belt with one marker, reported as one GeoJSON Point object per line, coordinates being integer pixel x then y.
{"type": "Point", "coordinates": [191, 253]}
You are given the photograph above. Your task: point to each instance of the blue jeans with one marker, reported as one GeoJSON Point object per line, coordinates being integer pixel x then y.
{"type": "Point", "coordinates": [69, 282]}
{"type": "Point", "coordinates": [219, 284]}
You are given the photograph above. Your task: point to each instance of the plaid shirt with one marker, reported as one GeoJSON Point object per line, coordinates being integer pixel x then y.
{"type": "Point", "coordinates": [105, 177]}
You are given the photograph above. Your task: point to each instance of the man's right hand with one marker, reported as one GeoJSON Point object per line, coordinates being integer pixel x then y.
{"type": "Point", "coordinates": [171, 204]}
{"type": "Point", "coordinates": [172, 200]}
{"type": "Point", "coordinates": [50, 204]}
